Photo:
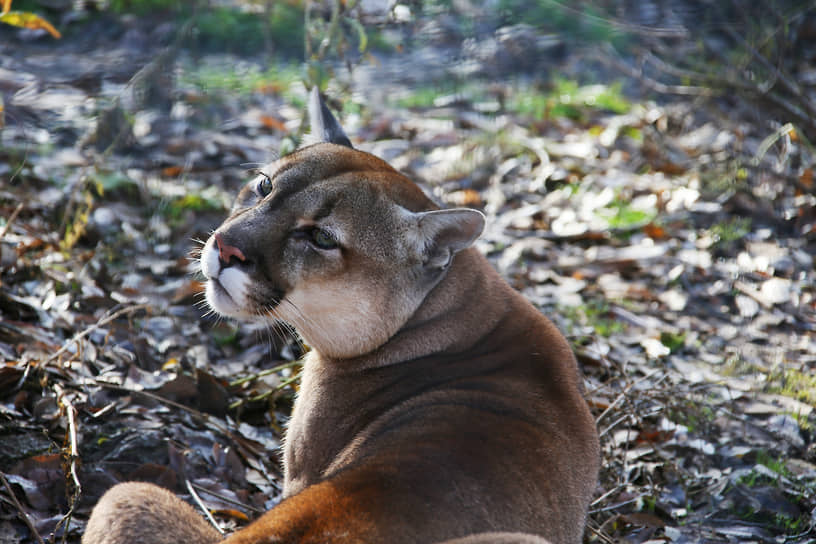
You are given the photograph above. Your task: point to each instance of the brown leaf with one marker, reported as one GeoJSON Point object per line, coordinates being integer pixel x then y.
{"type": "Point", "coordinates": [187, 292]}
{"type": "Point", "coordinates": [172, 171]}
{"type": "Point", "coordinates": [9, 377]}
{"type": "Point", "coordinates": [807, 178]}
{"type": "Point", "coordinates": [465, 197]}
{"type": "Point", "coordinates": [272, 123]}
{"type": "Point", "coordinates": [655, 232]}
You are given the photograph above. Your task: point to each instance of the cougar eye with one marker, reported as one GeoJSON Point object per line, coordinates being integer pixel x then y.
{"type": "Point", "coordinates": [323, 239]}
{"type": "Point", "coordinates": [264, 185]}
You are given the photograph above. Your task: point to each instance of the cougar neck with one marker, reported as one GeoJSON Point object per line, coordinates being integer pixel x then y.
{"type": "Point", "coordinates": [461, 309]}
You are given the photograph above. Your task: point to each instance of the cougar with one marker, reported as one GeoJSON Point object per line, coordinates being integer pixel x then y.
{"type": "Point", "coordinates": [436, 403]}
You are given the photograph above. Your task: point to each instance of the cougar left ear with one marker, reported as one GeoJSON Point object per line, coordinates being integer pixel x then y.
{"type": "Point", "coordinates": [323, 124]}
{"type": "Point", "coordinates": [445, 232]}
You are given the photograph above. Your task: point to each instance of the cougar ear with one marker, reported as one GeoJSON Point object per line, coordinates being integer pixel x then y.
{"type": "Point", "coordinates": [325, 127]}
{"type": "Point", "coordinates": [445, 232]}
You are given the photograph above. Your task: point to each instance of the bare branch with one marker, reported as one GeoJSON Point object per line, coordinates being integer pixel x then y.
{"type": "Point", "coordinates": [22, 513]}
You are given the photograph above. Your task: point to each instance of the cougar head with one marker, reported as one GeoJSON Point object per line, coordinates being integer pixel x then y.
{"type": "Point", "coordinates": [333, 241]}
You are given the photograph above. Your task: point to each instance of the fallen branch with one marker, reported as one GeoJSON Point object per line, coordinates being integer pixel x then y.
{"type": "Point", "coordinates": [22, 513]}
{"type": "Point", "coordinates": [101, 323]}
{"type": "Point", "coordinates": [203, 506]}
{"type": "Point", "coordinates": [228, 500]}
{"type": "Point", "coordinates": [11, 219]}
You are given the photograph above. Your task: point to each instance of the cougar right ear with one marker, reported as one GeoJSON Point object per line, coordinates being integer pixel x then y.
{"type": "Point", "coordinates": [443, 233]}
{"type": "Point", "coordinates": [323, 124]}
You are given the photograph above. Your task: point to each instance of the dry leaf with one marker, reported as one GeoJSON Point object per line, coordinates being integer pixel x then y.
{"type": "Point", "coordinates": [28, 20]}
{"type": "Point", "coordinates": [272, 123]}
{"type": "Point", "coordinates": [231, 513]}
{"type": "Point", "coordinates": [655, 232]}
{"type": "Point", "coordinates": [807, 178]}
{"type": "Point", "coordinates": [172, 171]}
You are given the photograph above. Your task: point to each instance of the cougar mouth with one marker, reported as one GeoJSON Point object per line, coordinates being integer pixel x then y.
{"type": "Point", "coordinates": [220, 299]}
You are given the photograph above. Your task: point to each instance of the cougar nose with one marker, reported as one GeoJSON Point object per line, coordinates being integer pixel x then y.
{"type": "Point", "coordinates": [226, 252]}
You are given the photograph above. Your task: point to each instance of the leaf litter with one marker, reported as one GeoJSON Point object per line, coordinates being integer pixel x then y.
{"type": "Point", "coordinates": [662, 237]}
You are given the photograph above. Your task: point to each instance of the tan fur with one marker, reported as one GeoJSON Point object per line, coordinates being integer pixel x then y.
{"type": "Point", "coordinates": [135, 512]}
{"type": "Point", "coordinates": [437, 402]}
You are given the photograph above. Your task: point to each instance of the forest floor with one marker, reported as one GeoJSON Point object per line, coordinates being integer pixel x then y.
{"type": "Point", "coordinates": [671, 239]}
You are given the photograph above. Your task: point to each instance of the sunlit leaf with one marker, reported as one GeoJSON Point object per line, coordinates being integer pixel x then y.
{"type": "Point", "coordinates": [272, 123]}
{"type": "Point", "coordinates": [231, 513]}
{"type": "Point", "coordinates": [27, 20]}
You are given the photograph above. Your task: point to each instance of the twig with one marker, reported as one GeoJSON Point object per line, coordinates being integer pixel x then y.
{"type": "Point", "coordinates": [73, 455]}
{"type": "Point", "coordinates": [19, 507]}
{"type": "Point", "coordinates": [687, 90]}
{"type": "Point", "coordinates": [266, 394]}
{"type": "Point", "coordinates": [72, 433]}
{"type": "Point", "coordinates": [158, 398]}
{"type": "Point", "coordinates": [600, 535]}
{"type": "Point", "coordinates": [618, 505]}
{"type": "Point", "coordinates": [102, 322]}
{"type": "Point", "coordinates": [11, 219]}
{"type": "Point", "coordinates": [614, 424]}
{"type": "Point", "coordinates": [203, 507]}
{"type": "Point", "coordinates": [228, 500]}
{"type": "Point", "coordinates": [770, 140]}
{"type": "Point", "coordinates": [778, 75]}
{"type": "Point", "coordinates": [617, 24]}
{"type": "Point", "coordinates": [267, 372]}
{"type": "Point", "coordinates": [607, 494]}
{"type": "Point", "coordinates": [625, 392]}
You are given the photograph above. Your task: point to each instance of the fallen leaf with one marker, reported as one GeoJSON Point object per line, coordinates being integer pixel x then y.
{"type": "Point", "coordinates": [230, 513]}
{"type": "Point", "coordinates": [807, 178]}
{"type": "Point", "coordinates": [273, 123]}
{"type": "Point", "coordinates": [655, 232]}
{"type": "Point", "coordinates": [28, 20]}
{"type": "Point", "coordinates": [654, 348]}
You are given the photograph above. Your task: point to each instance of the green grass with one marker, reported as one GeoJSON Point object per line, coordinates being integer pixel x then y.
{"type": "Point", "coordinates": [673, 341]}
{"type": "Point", "coordinates": [425, 97]}
{"type": "Point", "coordinates": [730, 230]}
{"type": "Point", "coordinates": [231, 29]}
{"type": "Point", "coordinates": [723, 177]}
{"type": "Point", "coordinates": [794, 384]}
{"type": "Point", "coordinates": [585, 23]}
{"type": "Point", "coordinates": [595, 314]}
{"type": "Point", "coordinates": [697, 417]}
{"type": "Point", "coordinates": [620, 214]}
{"type": "Point", "coordinates": [237, 31]}
{"type": "Point", "coordinates": [241, 80]}
{"type": "Point", "coordinates": [567, 99]}
{"type": "Point", "coordinates": [562, 98]}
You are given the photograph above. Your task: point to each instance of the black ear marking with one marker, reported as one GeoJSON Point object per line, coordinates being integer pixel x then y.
{"type": "Point", "coordinates": [323, 124]}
